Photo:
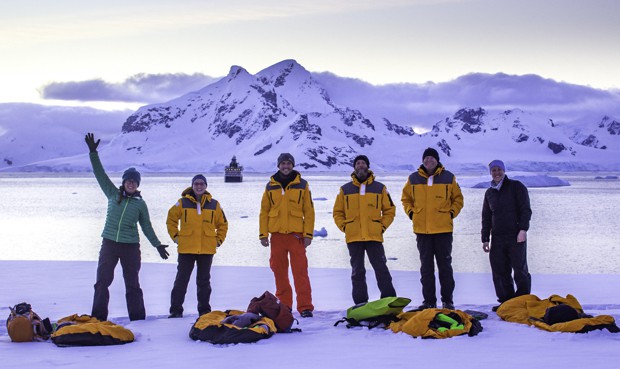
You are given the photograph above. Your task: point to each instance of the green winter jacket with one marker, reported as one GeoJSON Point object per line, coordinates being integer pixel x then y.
{"type": "Point", "coordinates": [121, 221]}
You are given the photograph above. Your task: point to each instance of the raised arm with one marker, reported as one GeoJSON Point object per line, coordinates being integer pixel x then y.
{"type": "Point", "coordinates": [107, 186]}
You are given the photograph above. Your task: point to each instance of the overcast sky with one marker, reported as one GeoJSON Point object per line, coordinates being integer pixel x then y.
{"type": "Point", "coordinates": [380, 42]}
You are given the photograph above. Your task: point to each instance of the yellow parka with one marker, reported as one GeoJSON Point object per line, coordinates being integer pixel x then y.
{"type": "Point", "coordinates": [287, 210]}
{"type": "Point", "coordinates": [416, 324]}
{"type": "Point", "coordinates": [431, 202]}
{"type": "Point", "coordinates": [363, 211]}
{"type": "Point", "coordinates": [199, 233]}
{"type": "Point", "coordinates": [530, 309]}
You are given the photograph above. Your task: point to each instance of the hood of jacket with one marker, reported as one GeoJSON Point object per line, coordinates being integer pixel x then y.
{"type": "Point", "coordinates": [438, 170]}
{"type": "Point", "coordinates": [188, 193]}
{"type": "Point", "coordinates": [273, 181]}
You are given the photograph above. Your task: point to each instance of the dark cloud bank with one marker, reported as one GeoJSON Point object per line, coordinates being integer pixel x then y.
{"type": "Point", "coordinates": [142, 88]}
{"type": "Point", "coordinates": [406, 103]}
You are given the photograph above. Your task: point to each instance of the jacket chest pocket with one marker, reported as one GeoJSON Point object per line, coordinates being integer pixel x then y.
{"type": "Point", "coordinates": [351, 203]}
{"type": "Point", "coordinates": [295, 199]}
{"type": "Point", "coordinates": [373, 205]}
{"type": "Point", "coordinates": [441, 197]}
{"type": "Point", "coordinates": [208, 216]}
{"type": "Point", "coordinates": [275, 197]}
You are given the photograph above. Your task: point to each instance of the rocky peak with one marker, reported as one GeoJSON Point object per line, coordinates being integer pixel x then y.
{"type": "Point", "coordinates": [471, 118]}
{"type": "Point", "coordinates": [284, 72]}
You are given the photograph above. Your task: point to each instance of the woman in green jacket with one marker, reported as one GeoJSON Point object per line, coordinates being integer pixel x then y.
{"type": "Point", "coordinates": [120, 237]}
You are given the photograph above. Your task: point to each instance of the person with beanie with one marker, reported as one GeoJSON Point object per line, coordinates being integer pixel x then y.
{"type": "Point", "coordinates": [126, 209]}
{"type": "Point", "coordinates": [287, 214]}
{"type": "Point", "coordinates": [432, 199]}
{"type": "Point", "coordinates": [506, 215]}
{"type": "Point", "coordinates": [197, 224]}
{"type": "Point", "coordinates": [363, 211]}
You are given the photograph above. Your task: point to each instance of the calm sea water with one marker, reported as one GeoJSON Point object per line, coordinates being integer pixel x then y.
{"type": "Point", "coordinates": [60, 217]}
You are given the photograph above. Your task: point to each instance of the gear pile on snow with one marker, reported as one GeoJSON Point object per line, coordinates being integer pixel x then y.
{"type": "Point", "coordinates": [429, 323]}
{"type": "Point", "coordinates": [436, 323]}
{"type": "Point", "coordinates": [264, 317]}
{"type": "Point", "coordinates": [555, 314]}
{"type": "Point", "coordinates": [85, 330]}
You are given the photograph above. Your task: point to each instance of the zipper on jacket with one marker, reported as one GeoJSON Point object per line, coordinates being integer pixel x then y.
{"type": "Point", "coordinates": [347, 197]}
{"type": "Point", "coordinates": [299, 199]}
{"type": "Point", "coordinates": [185, 215]}
{"type": "Point", "coordinates": [118, 232]}
{"type": "Point", "coordinates": [446, 192]}
{"type": "Point", "coordinates": [377, 203]}
{"type": "Point", "coordinates": [271, 198]}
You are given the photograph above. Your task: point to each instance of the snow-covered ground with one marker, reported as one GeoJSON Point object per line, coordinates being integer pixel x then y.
{"type": "Point", "coordinates": [56, 289]}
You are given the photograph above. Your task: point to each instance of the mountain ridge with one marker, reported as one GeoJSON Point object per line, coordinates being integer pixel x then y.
{"type": "Point", "coordinates": [284, 108]}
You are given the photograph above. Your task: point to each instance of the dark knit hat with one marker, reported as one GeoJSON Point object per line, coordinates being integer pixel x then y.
{"type": "Point", "coordinates": [497, 163]}
{"type": "Point", "coordinates": [431, 152]}
{"type": "Point", "coordinates": [131, 173]}
{"type": "Point", "coordinates": [361, 157]}
{"type": "Point", "coordinates": [286, 157]}
{"type": "Point", "coordinates": [198, 176]}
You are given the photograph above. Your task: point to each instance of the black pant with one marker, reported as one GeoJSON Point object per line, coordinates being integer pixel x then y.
{"type": "Point", "coordinates": [203, 282]}
{"type": "Point", "coordinates": [376, 256]}
{"type": "Point", "coordinates": [508, 256]}
{"type": "Point", "coordinates": [109, 255]}
{"type": "Point", "coordinates": [436, 247]}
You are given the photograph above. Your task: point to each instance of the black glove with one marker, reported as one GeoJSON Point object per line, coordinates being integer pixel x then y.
{"type": "Point", "coordinates": [90, 141]}
{"type": "Point", "coordinates": [162, 251]}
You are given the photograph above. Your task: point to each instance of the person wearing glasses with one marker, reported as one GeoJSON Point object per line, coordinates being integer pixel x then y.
{"type": "Point", "coordinates": [197, 224]}
{"type": "Point", "coordinates": [121, 241]}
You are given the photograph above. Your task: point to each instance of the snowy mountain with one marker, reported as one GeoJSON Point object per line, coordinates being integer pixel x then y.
{"type": "Point", "coordinates": [284, 108]}
{"type": "Point", "coordinates": [602, 135]}
{"type": "Point", "coordinates": [31, 133]}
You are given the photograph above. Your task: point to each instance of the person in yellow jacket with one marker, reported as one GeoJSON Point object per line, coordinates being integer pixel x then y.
{"type": "Point", "coordinates": [432, 199]}
{"type": "Point", "coordinates": [197, 224]}
{"type": "Point", "coordinates": [363, 211]}
{"type": "Point", "coordinates": [287, 213]}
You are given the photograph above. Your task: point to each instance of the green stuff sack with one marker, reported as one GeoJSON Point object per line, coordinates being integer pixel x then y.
{"type": "Point", "coordinates": [375, 313]}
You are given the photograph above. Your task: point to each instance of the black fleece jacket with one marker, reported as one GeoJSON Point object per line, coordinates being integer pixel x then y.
{"type": "Point", "coordinates": [507, 211]}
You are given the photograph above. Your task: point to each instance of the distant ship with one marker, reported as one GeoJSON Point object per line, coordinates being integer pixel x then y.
{"type": "Point", "coordinates": [233, 172]}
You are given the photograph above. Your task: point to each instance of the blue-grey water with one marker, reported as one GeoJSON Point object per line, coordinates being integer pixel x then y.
{"type": "Point", "coordinates": [574, 229]}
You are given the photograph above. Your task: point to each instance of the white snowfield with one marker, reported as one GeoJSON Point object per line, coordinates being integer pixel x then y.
{"type": "Point", "coordinates": [58, 289]}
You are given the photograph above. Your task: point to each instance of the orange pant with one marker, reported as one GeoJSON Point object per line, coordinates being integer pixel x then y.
{"type": "Point", "coordinates": [281, 246]}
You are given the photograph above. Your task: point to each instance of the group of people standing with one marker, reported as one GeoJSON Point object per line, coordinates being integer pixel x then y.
{"type": "Point", "coordinates": [363, 211]}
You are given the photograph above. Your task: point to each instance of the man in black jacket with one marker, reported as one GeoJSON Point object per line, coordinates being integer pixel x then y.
{"type": "Point", "coordinates": [506, 215]}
